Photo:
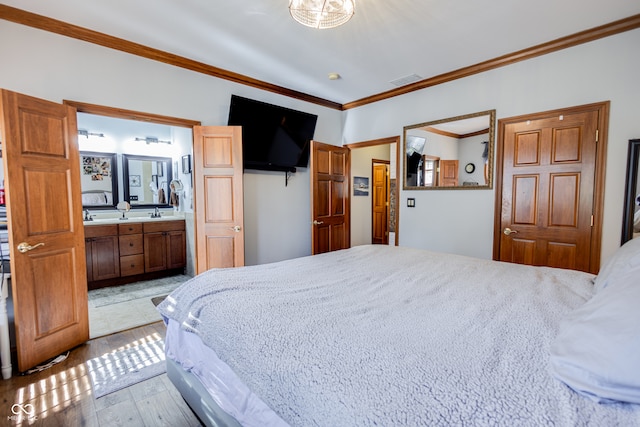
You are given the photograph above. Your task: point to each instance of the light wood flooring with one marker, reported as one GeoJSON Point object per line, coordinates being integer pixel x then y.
{"type": "Point", "coordinates": [62, 396]}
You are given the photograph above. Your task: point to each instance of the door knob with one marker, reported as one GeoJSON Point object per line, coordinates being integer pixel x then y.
{"type": "Point", "coordinates": [236, 228]}
{"type": "Point", "coordinates": [25, 247]}
{"type": "Point", "coordinates": [316, 222]}
{"type": "Point", "coordinates": [508, 231]}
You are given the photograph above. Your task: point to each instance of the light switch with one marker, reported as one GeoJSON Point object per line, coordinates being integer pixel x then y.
{"type": "Point", "coordinates": [411, 203]}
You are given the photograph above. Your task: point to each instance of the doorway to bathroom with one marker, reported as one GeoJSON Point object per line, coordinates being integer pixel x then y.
{"type": "Point", "coordinates": [120, 136]}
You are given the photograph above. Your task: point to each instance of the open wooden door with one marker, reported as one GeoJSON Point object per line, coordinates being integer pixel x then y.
{"type": "Point", "coordinates": [380, 203]}
{"type": "Point", "coordinates": [550, 193]}
{"type": "Point", "coordinates": [46, 233]}
{"type": "Point", "coordinates": [218, 197]}
{"type": "Point", "coordinates": [330, 201]}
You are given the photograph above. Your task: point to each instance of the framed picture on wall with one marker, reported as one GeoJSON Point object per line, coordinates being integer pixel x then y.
{"type": "Point", "coordinates": [186, 163]}
{"type": "Point", "coordinates": [360, 186]}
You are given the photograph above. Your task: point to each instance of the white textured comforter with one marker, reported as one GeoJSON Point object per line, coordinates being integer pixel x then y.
{"type": "Point", "coordinates": [389, 336]}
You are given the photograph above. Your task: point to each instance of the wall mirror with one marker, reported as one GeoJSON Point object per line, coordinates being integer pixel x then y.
{"type": "Point", "coordinates": [98, 179]}
{"type": "Point", "coordinates": [452, 153]}
{"type": "Point", "coordinates": [146, 180]}
{"type": "Point", "coordinates": [631, 219]}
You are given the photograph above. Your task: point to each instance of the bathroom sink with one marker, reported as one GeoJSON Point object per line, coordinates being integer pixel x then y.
{"type": "Point", "coordinates": [102, 221]}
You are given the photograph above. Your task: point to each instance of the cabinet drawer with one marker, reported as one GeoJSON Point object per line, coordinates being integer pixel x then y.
{"type": "Point", "coordinates": [100, 230]}
{"type": "Point", "coordinates": [154, 227]}
{"type": "Point", "coordinates": [133, 228]}
{"type": "Point", "coordinates": [131, 264]}
{"type": "Point", "coordinates": [131, 244]}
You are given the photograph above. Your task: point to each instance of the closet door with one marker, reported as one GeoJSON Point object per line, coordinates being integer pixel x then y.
{"type": "Point", "coordinates": [218, 193]}
{"type": "Point", "coordinates": [44, 210]}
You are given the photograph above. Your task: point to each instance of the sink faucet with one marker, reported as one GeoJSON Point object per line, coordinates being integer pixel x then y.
{"type": "Point", "coordinates": [156, 213]}
{"type": "Point", "coordinates": [87, 215]}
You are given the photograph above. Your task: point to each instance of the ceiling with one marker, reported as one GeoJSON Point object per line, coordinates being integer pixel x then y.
{"type": "Point", "coordinates": [383, 42]}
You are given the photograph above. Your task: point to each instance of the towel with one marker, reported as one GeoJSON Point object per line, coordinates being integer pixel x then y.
{"type": "Point", "coordinates": [173, 199]}
{"type": "Point", "coordinates": [161, 197]}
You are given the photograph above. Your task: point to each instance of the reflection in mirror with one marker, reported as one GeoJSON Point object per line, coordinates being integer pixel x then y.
{"type": "Point", "coordinates": [450, 153]}
{"type": "Point", "coordinates": [631, 222]}
{"type": "Point", "coordinates": [98, 179]}
{"type": "Point", "coordinates": [146, 180]}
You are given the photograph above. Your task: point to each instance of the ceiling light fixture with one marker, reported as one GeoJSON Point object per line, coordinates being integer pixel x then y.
{"type": "Point", "coordinates": [322, 14]}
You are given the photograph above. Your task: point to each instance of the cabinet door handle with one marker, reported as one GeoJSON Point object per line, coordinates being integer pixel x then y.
{"type": "Point", "coordinates": [131, 244]}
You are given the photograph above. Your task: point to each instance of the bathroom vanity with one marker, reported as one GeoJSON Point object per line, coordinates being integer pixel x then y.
{"type": "Point", "coordinates": [120, 252]}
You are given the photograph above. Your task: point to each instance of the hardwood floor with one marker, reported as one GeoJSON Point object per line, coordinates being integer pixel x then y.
{"type": "Point", "coordinates": [62, 395]}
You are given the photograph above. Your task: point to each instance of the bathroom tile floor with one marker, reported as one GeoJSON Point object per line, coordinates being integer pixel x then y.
{"type": "Point", "coordinates": [119, 308]}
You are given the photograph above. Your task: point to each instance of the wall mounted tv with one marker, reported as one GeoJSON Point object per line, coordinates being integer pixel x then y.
{"type": "Point", "coordinates": [273, 137]}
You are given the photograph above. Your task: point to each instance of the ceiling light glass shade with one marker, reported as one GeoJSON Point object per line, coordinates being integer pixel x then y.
{"type": "Point", "coordinates": [322, 13]}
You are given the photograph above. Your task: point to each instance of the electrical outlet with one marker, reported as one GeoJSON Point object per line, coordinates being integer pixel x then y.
{"type": "Point", "coordinates": [411, 203]}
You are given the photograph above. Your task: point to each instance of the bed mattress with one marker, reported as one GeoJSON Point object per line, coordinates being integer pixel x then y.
{"type": "Point", "coordinates": [378, 335]}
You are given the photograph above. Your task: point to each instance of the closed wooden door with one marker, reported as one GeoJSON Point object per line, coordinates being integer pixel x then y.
{"type": "Point", "coordinates": [448, 176]}
{"type": "Point", "coordinates": [547, 203]}
{"type": "Point", "coordinates": [330, 199]}
{"type": "Point", "coordinates": [46, 233]}
{"type": "Point", "coordinates": [380, 204]}
{"type": "Point", "coordinates": [218, 193]}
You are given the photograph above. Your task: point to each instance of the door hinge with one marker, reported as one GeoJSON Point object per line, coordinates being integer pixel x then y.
{"type": "Point", "coordinates": [386, 204]}
{"type": "Point", "coordinates": [597, 134]}
{"type": "Point", "coordinates": [592, 220]}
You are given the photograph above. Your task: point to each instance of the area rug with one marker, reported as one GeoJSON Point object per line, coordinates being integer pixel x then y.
{"type": "Point", "coordinates": [125, 367]}
{"type": "Point", "coordinates": [158, 300]}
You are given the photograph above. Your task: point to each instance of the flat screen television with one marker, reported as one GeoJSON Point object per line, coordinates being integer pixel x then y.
{"type": "Point", "coordinates": [273, 137]}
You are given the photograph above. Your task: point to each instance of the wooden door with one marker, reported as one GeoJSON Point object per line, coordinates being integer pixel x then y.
{"type": "Point", "coordinates": [44, 211]}
{"type": "Point", "coordinates": [448, 176]}
{"type": "Point", "coordinates": [380, 204]}
{"type": "Point", "coordinates": [330, 200]}
{"type": "Point", "coordinates": [218, 193]}
{"type": "Point", "coordinates": [548, 193]}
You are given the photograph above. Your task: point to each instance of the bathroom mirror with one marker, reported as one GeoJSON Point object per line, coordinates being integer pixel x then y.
{"type": "Point", "coordinates": [146, 180]}
{"type": "Point", "coordinates": [98, 179]}
{"type": "Point", "coordinates": [452, 153]}
{"type": "Point", "coordinates": [631, 220]}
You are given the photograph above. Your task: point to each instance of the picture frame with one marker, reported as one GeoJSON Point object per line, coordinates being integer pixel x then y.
{"type": "Point", "coordinates": [360, 186]}
{"type": "Point", "coordinates": [134, 181]}
{"type": "Point", "coordinates": [186, 163]}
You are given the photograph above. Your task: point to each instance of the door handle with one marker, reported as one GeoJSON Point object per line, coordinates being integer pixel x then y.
{"type": "Point", "coordinates": [316, 222]}
{"type": "Point", "coordinates": [236, 228]}
{"type": "Point", "coordinates": [25, 247]}
{"type": "Point", "coordinates": [508, 231]}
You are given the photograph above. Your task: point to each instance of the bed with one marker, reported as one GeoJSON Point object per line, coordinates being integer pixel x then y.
{"type": "Point", "coordinates": [379, 335]}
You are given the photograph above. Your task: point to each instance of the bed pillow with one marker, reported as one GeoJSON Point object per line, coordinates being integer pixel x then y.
{"type": "Point", "coordinates": [627, 257]}
{"type": "Point", "coordinates": [93, 198]}
{"type": "Point", "coordinates": [597, 350]}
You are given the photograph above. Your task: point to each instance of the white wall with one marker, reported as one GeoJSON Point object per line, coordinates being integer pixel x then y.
{"type": "Point", "coordinates": [54, 67]}
{"type": "Point", "coordinates": [277, 218]}
{"type": "Point", "coordinates": [461, 221]}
